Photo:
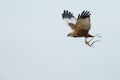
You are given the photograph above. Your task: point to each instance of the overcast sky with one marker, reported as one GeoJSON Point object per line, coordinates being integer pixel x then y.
{"type": "Point", "coordinates": [34, 43]}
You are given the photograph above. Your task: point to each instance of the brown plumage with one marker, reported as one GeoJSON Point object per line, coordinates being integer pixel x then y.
{"type": "Point", "coordinates": [80, 26]}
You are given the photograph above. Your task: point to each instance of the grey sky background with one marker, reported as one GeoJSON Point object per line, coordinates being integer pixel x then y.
{"type": "Point", "coordinates": [34, 46]}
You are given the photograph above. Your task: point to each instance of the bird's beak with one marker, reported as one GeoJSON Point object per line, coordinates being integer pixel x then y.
{"type": "Point", "coordinates": [68, 35]}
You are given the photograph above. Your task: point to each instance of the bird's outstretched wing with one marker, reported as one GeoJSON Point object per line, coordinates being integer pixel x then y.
{"type": "Point", "coordinates": [83, 21]}
{"type": "Point", "coordinates": [70, 19]}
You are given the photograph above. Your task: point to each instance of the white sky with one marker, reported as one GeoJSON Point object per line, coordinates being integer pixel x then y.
{"type": "Point", "coordinates": [34, 46]}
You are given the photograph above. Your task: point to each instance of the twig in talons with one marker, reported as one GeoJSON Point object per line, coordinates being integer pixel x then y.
{"type": "Point", "coordinates": [98, 35]}
{"type": "Point", "coordinates": [94, 42]}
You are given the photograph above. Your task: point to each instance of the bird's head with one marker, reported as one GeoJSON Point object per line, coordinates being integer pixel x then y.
{"type": "Point", "coordinates": [69, 35]}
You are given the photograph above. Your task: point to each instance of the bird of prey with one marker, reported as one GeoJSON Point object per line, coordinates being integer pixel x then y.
{"type": "Point", "coordinates": [80, 26]}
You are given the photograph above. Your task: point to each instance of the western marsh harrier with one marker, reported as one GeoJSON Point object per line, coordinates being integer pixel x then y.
{"type": "Point", "coordinates": [80, 26]}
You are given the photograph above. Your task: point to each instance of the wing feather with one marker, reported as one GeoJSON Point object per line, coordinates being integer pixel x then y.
{"type": "Point", "coordinates": [83, 21]}
{"type": "Point", "coordinates": [69, 18]}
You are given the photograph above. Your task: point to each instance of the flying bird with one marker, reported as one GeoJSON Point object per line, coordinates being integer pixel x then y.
{"type": "Point", "coordinates": [80, 26]}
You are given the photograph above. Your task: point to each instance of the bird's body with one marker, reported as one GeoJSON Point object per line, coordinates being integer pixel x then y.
{"type": "Point", "coordinates": [81, 25]}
